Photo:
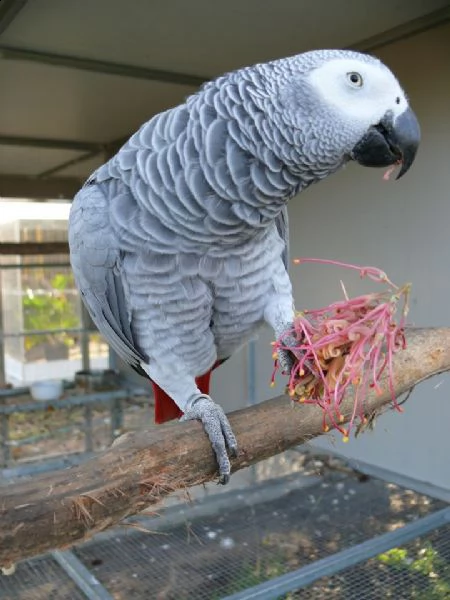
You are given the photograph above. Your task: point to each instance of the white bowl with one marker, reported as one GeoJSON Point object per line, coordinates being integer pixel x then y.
{"type": "Point", "coordinates": [48, 389]}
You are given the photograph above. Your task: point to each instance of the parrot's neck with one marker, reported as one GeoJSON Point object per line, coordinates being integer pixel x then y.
{"type": "Point", "coordinates": [269, 185]}
{"type": "Point", "coordinates": [284, 158]}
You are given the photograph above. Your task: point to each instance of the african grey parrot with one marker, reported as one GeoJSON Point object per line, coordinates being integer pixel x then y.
{"type": "Point", "coordinates": [179, 242]}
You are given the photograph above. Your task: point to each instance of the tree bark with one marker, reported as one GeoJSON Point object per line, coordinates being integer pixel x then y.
{"type": "Point", "coordinates": [59, 509]}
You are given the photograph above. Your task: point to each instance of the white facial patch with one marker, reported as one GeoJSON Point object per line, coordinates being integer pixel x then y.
{"type": "Point", "coordinates": [362, 91]}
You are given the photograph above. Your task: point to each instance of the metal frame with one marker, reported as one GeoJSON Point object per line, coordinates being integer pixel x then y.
{"type": "Point", "coordinates": [16, 186]}
{"type": "Point", "coordinates": [404, 31]}
{"type": "Point", "coordinates": [69, 163]}
{"type": "Point", "coordinates": [83, 578]}
{"type": "Point", "coordinates": [100, 66]}
{"type": "Point", "coordinates": [47, 332]}
{"type": "Point", "coordinates": [28, 469]}
{"type": "Point", "coordinates": [32, 265]}
{"type": "Point", "coordinates": [331, 565]}
{"type": "Point", "coordinates": [89, 150]}
{"type": "Point", "coordinates": [71, 402]}
{"type": "Point", "coordinates": [51, 144]}
{"type": "Point", "coordinates": [9, 9]}
{"type": "Point", "coordinates": [114, 398]}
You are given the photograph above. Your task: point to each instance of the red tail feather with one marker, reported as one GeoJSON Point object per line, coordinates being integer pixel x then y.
{"type": "Point", "coordinates": [165, 407]}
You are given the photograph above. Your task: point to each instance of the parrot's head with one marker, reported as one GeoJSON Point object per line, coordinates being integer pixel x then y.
{"type": "Point", "coordinates": [348, 106]}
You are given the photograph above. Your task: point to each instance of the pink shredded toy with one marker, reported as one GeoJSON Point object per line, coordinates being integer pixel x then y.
{"type": "Point", "coordinates": [348, 344]}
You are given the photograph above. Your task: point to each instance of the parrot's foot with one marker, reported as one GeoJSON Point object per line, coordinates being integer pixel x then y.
{"type": "Point", "coordinates": [286, 360]}
{"type": "Point", "coordinates": [286, 356]}
{"type": "Point", "coordinates": [218, 429]}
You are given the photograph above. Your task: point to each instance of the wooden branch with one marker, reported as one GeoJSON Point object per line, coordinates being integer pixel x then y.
{"type": "Point", "coordinates": [33, 248]}
{"type": "Point", "coordinates": [57, 510]}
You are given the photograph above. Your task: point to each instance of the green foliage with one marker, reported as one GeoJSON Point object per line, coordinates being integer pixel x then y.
{"type": "Point", "coordinates": [50, 310]}
{"type": "Point", "coordinates": [395, 557]}
{"type": "Point", "coordinates": [429, 564]}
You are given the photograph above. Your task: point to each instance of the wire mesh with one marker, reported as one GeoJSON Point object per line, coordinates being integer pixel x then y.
{"type": "Point", "coordinates": [213, 557]}
{"type": "Point", "coordinates": [417, 571]}
{"type": "Point", "coordinates": [252, 541]}
{"type": "Point", "coordinates": [39, 579]}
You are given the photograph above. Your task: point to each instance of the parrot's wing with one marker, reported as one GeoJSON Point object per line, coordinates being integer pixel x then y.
{"type": "Point", "coordinates": [96, 264]}
{"type": "Point", "coordinates": [282, 223]}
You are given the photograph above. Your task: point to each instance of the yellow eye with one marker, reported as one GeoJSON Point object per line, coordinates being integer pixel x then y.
{"type": "Point", "coordinates": [355, 79]}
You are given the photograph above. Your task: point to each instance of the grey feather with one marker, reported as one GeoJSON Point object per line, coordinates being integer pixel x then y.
{"type": "Point", "coordinates": [96, 266]}
{"type": "Point", "coordinates": [282, 223]}
{"type": "Point", "coordinates": [179, 243]}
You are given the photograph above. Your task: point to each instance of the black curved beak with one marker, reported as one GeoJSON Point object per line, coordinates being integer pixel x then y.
{"type": "Point", "coordinates": [390, 142]}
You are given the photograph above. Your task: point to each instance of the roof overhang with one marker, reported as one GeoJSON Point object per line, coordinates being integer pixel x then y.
{"type": "Point", "coordinates": [79, 77]}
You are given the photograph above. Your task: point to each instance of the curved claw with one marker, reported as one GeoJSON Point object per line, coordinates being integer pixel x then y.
{"type": "Point", "coordinates": [286, 360]}
{"type": "Point", "coordinates": [285, 357]}
{"type": "Point", "coordinates": [218, 429]}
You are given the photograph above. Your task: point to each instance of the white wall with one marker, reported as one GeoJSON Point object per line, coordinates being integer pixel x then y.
{"type": "Point", "coordinates": [402, 227]}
